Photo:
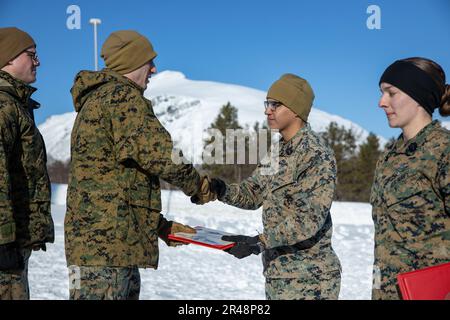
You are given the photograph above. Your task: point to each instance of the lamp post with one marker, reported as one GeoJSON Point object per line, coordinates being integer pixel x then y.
{"type": "Point", "coordinates": [95, 22]}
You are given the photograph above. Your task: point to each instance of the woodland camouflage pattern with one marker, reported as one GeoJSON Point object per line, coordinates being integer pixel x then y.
{"type": "Point", "coordinates": [411, 207]}
{"type": "Point", "coordinates": [24, 184]}
{"type": "Point", "coordinates": [308, 287]}
{"type": "Point", "coordinates": [105, 283]}
{"type": "Point", "coordinates": [296, 204]}
{"type": "Point", "coordinates": [14, 283]}
{"type": "Point", "coordinates": [119, 151]}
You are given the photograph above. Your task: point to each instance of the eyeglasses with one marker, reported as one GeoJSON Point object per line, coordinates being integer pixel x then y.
{"type": "Point", "coordinates": [33, 55]}
{"type": "Point", "coordinates": [272, 105]}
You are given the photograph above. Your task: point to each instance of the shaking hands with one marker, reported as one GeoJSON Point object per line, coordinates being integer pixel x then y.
{"type": "Point", "coordinates": [209, 190]}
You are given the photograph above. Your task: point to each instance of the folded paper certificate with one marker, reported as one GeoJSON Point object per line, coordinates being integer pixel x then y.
{"type": "Point", "coordinates": [204, 237]}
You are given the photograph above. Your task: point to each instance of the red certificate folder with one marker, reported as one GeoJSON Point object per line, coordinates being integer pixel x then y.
{"type": "Point", "coordinates": [432, 283]}
{"type": "Point", "coordinates": [204, 237]}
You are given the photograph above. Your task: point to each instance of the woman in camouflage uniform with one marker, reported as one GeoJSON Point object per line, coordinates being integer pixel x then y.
{"type": "Point", "coordinates": [411, 191]}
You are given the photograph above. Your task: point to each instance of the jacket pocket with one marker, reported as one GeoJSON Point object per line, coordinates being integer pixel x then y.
{"type": "Point", "coordinates": [142, 215]}
{"type": "Point", "coordinates": [144, 225]}
{"type": "Point", "coordinates": [408, 205]}
{"type": "Point", "coordinates": [41, 226]}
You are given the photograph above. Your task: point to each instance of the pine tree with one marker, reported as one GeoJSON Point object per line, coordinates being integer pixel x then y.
{"type": "Point", "coordinates": [227, 119]}
{"type": "Point", "coordinates": [234, 173]}
{"type": "Point", "coordinates": [368, 155]}
{"type": "Point", "coordinates": [343, 143]}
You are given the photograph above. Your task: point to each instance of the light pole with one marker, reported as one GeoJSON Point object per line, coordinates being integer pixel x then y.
{"type": "Point", "coordinates": [95, 22]}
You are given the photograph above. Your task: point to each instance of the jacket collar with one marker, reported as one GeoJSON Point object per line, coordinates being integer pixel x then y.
{"type": "Point", "coordinates": [17, 88]}
{"type": "Point", "coordinates": [287, 147]}
{"type": "Point", "coordinates": [410, 146]}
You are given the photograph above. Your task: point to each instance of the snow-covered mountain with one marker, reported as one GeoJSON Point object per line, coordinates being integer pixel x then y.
{"type": "Point", "coordinates": [187, 108]}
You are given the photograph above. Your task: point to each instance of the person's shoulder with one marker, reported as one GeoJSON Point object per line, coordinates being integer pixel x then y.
{"type": "Point", "coordinates": [124, 89]}
{"type": "Point", "coordinates": [441, 132]}
{"type": "Point", "coordinates": [314, 151]}
{"type": "Point", "coordinates": [439, 138]}
{"type": "Point", "coordinates": [7, 99]}
{"type": "Point", "coordinates": [316, 143]}
{"type": "Point", "coordinates": [8, 105]}
{"type": "Point", "coordinates": [107, 87]}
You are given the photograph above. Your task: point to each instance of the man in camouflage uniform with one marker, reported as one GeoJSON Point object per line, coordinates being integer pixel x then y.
{"type": "Point", "coordinates": [299, 262]}
{"type": "Point", "coordinates": [119, 152]}
{"type": "Point", "coordinates": [410, 196]}
{"type": "Point", "coordinates": [25, 220]}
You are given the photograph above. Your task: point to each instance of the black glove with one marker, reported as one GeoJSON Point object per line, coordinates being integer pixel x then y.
{"type": "Point", "coordinates": [244, 246]}
{"type": "Point", "coordinates": [216, 186]}
{"type": "Point", "coordinates": [219, 187]}
{"type": "Point", "coordinates": [10, 257]}
{"type": "Point", "coordinates": [164, 229]}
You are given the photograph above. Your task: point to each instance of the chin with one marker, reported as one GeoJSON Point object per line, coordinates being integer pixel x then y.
{"type": "Point", "coordinates": [393, 124]}
{"type": "Point", "coordinates": [272, 125]}
{"type": "Point", "coordinates": [31, 80]}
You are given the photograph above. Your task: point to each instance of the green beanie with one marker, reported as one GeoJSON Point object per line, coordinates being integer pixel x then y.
{"type": "Point", "coordinates": [127, 50]}
{"type": "Point", "coordinates": [13, 42]}
{"type": "Point", "coordinates": [294, 93]}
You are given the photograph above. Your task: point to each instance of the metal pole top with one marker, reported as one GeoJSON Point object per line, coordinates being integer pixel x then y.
{"type": "Point", "coordinates": [95, 21]}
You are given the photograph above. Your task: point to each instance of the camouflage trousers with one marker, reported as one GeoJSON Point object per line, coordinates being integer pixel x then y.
{"type": "Point", "coordinates": [388, 293]}
{"type": "Point", "coordinates": [104, 283]}
{"type": "Point", "coordinates": [312, 287]}
{"type": "Point", "coordinates": [14, 284]}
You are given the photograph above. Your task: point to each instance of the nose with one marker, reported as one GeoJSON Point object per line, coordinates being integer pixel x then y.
{"type": "Point", "coordinates": [268, 111]}
{"type": "Point", "coordinates": [382, 103]}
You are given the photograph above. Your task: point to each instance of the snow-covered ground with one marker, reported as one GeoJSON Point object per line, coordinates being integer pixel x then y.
{"type": "Point", "coordinates": [193, 272]}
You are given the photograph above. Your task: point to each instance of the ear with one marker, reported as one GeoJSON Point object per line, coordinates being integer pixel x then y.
{"type": "Point", "coordinates": [12, 61]}
{"type": "Point", "coordinates": [7, 65]}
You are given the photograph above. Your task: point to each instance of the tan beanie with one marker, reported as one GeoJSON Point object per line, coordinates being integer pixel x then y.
{"type": "Point", "coordinates": [126, 50]}
{"type": "Point", "coordinates": [13, 42]}
{"type": "Point", "coordinates": [294, 93]}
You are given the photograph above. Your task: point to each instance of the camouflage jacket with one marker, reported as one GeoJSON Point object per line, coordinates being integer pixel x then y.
{"type": "Point", "coordinates": [25, 186]}
{"type": "Point", "coordinates": [411, 207]}
{"type": "Point", "coordinates": [119, 150]}
{"type": "Point", "coordinates": [296, 204]}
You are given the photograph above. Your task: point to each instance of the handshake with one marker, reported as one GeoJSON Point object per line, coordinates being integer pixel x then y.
{"type": "Point", "coordinates": [209, 190]}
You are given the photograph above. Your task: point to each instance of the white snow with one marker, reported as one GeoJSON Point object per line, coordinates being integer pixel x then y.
{"type": "Point", "coordinates": [193, 272]}
{"type": "Point", "coordinates": [59, 193]}
{"type": "Point", "coordinates": [56, 131]}
{"type": "Point", "coordinates": [446, 124]}
{"type": "Point", "coordinates": [187, 108]}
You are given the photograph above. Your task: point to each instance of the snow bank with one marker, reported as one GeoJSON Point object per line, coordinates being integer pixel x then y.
{"type": "Point", "coordinates": [193, 272]}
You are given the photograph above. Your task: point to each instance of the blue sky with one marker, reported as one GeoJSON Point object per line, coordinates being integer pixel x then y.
{"type": "Point", "coordinates": [250, 43]}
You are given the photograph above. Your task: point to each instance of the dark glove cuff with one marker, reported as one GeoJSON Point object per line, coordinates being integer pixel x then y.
{"type": "Point", "coordinates": [164, 227]}
{"type": "Point", "coordinates": [11, 257]}
{"type": "Point", "coordinates": [219, 187]}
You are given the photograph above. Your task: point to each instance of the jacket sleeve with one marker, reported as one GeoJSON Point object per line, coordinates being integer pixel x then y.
{"type": "Point", "coordinates": [248, 194]}
{"type": "Point", "coordinates": [7, 136]}
{"type": "Point", "coordinates": [310, 201]}
{"type": "Point", "coordinates": [444, 180]}
{"type": "Point", "coordinates": [139, 136]}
